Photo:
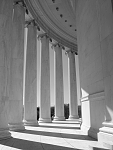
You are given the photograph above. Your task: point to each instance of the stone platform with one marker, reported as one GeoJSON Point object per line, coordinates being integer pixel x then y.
{"type": "Point", "coordinates": [51, 136]}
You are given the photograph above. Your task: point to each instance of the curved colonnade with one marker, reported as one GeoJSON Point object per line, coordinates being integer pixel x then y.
{"type": "Point", "coordinates": [83, 28]}
{"type": "Point", "coordinates": [12, 22]}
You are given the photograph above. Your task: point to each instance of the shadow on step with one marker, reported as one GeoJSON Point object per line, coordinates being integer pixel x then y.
{"type": "Point", "coordinates": [59, 135]}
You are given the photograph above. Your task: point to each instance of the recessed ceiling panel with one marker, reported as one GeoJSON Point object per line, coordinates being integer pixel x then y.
{"type": "Point", "coordinates": [56, 17]}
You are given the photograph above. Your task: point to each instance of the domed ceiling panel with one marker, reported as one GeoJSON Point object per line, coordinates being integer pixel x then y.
{"type": "Point", "coordinates": [57, 18]}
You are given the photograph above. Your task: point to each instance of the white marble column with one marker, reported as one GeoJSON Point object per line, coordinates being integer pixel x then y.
{"type": "Point", "coordinates": [73, 104]}
{"type": "Point", "coordinates": [30, 100]}
{"type": "Point", "coordinates": [58, 84]}
{"type": "Point", "coordinates": [6, 10]}
{"type": "Point", "coordinates": [44, 80]}
{"type": "Point", "coordinates": [78, 79]}
{"type": "Point", "coordinates": [16, 72]}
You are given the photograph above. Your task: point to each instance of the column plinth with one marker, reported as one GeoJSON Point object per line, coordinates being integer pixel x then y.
{"type": "Point", "coordinates": [16, 69]}
{"type": "Point", "coordinates": [44, 80]}
{"type": "Point", "coordinates": [74, 117]}
{"type": "Point", "coordinates": [44, 120]}
{"type": "Point", "coordinates": [106, 132]}
{"type": "Point", "coordinates": [61, 118]}
{"type": "Point", "coordinates": [4, 133]}
{"type": "Point", "coordinates": [58, 88]}
{"type": "Point", "coordinates": [16, 127]}
{"type": "Point", "coordinates": [30, 122]}
{"type": "Point", "coordinates": [30, 99]}
{"type": "Point", "coordinates": [73, 104]}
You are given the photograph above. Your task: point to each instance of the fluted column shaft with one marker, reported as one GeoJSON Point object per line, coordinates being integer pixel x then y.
{"type": "Point", "coordinates": [59, 89]}
{"type": "Point", "coordinates": [30, 100]}
{"type": "Point", "coordinates": [45, 81]}
{"type": "Point", "coordinates": [6, 10]}
{"type": "Point", "coordinates": [73, 105]}
{"type": "Point", "coordinates": [16, 72]}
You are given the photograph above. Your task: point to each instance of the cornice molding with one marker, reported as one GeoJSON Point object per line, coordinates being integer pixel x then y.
{"type": "Point", "coordinates": [53, 24]}
{"type": "Point", "coordinates": [47, 29]}
{"type": "Point", "coordinates": [96, 96]}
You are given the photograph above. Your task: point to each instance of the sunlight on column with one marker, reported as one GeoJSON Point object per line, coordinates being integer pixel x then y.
{"type": "Point", "coordinates": [25, 45]}
{"type": "Point", "coordinates": [110, 111]}
{"type": "Point", "coordinates": [84, 93]}
{"type": "Point", "coordinates": [38, 72]}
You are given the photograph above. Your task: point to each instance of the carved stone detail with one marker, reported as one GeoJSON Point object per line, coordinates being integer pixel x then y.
{"type": "Point", "coordinates": [42, 35]}
{"type": "Point", "coordinates": [20, 2]}
{"type": "Point", "coordinates": [58, 45]}
{"type": "Point", "coordinates": [71, 50]}
{"type": "Point", "coordinates": [30, 22]}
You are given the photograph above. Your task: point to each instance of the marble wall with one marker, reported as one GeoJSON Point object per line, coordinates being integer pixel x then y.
{"type": "Point", "coordinates": [95, 47]}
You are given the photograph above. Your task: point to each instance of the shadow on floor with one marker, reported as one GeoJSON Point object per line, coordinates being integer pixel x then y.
{"type": "Point", "coordinates": [60, 135]}
{"type": "Point", "coordinates": [30, 145]}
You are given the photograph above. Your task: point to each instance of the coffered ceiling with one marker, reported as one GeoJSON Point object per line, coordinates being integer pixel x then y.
{"type": "Point", "coordinates": [56, 18]}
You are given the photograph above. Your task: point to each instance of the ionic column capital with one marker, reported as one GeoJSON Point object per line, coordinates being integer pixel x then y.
{"type": "Point", "coordinates": [58, 45]}
{"type": "Point", "coordinates": [31, 22]}
{"type": "Point", "coordinates": [19, 2]}
{"type": "Point", "coordinates": [70, 51]}
{"type": "Point", "coordinates": [40, 36]}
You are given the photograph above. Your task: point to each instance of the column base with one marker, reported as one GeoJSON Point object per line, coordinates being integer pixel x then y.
{"type": "Point", "coordinates": [5, 134]}
{"type": "Point", "coordinates": [61, 118]}
{"type": "Point", "coordinates": [30, 123]}
{"type": "Point", "coordinates": [105, 134]}
{"type": "Point", "coordinates": [89, 131]}
{"type": "Point", "coordinates": [73, 118]}
{"type": "Point", "coordinates": [44, 120]}
{"type": "Point", "coordinates": [16, 127]}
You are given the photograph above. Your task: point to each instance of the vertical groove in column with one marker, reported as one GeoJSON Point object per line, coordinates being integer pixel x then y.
{"type": "Point", "coordinates": [112, 4]}
{"type": "Point", "coordinates": [30, 105]}
{"type": "Point", "coordinates": [6, 11]}
{"type": "Point", "coordinates": [45, 81]}
{"type": "Point", "coordinates": [59, 89]}
{"type": "Point", "coordinates": [73, 105]}
{"type": "Point", "coordinates": [16, 73]}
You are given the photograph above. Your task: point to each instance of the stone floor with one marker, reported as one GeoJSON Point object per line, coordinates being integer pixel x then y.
{"type": "Point", "coordinates": [50, 136]}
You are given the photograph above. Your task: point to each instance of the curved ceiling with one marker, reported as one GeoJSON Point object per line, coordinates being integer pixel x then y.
{"type": "Point", "coordinates": [56, 18]}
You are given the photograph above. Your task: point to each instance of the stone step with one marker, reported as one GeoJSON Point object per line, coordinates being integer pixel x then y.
{"type": "Point", "coordinates": [98, 148]}
{"type": "Point", "coordinates": [60, 125]}
{"type": "Point", "coordinates": [108, 145]}
{"type": "Point", "coordinates": [67, 122]}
